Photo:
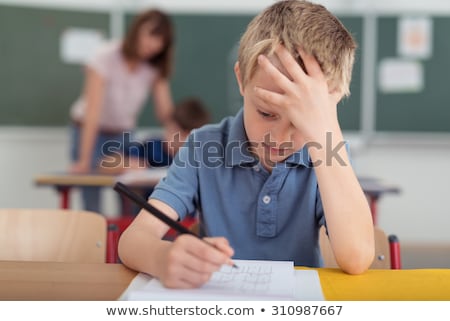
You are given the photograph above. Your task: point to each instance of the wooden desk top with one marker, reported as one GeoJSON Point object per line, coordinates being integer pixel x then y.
{"type": "Point", "coordinates": [75, 180]}
{"type": "Point", "coordinates": [76, 281]}
{"type": "Point", "coordinates": [50, 281]}
{"type": "Point", "coordinates": [135, 178]}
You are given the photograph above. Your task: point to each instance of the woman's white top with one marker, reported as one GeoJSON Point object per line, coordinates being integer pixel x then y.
{"type": "Point", "coordinates": [125, 91]}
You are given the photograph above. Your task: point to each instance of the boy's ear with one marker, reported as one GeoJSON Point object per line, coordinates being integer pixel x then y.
{"type": "Point", "coordinates": [237, 72]}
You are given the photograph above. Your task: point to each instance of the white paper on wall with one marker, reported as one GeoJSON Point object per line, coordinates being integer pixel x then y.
{"type": "Point", "coordinates": [78, 44]}
{"type": "Point", "coordinates": [415, 37]}
{"type": "Point", "coordinates": [397, 75]}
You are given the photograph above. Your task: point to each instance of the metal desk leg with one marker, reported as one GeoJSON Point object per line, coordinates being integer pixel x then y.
{"type": "Point", "coordinates": [64, 192]}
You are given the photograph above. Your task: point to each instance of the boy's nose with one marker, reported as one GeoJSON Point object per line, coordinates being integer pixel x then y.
{"type": "Point", "coordinates": [285, 133]}
{"type": "Point", "coordinates": [282, 134]}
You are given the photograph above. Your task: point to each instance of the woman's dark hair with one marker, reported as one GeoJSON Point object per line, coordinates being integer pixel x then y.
{"type": "Point", "coordinates": [162, 26]}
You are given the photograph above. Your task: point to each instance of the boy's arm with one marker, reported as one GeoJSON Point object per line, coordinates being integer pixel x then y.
{"type": "Point", "coordinates": [185, 263]}
{"type": "Point", "coordinates": [347, 213]}
{"type": "Point", "coordinates": [311, 106]}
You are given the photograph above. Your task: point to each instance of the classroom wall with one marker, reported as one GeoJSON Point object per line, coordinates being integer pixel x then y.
{"type": "Point", "coordinates": [27, 152]}
{"type": "Point", "coordinates": [417, 164]}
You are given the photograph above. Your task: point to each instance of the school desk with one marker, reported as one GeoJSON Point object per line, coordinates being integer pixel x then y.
{"type": "Point", "coordinates": [374, 189]}
{"type": "Point", "coordinates": [64, 182]}
{"type": "Point", "coordinates": [81, 281]}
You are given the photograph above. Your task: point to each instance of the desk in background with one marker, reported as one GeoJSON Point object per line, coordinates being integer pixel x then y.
{"type": "Point", "coordinates": [374, 189]}
{"type": "Point", "coordinates": [106, 282]}
{"type": "Point", "coordinates": [64, 182]}
{"type": "Point", "coordinates": [136, 179]}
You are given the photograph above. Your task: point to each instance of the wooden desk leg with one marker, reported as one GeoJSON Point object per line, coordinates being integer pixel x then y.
{"type": "Point", "coordinates": [65, 200]}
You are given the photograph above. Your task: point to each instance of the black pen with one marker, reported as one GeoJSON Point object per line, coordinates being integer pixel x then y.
{"type": "Point", "coordinates": [139, 200]}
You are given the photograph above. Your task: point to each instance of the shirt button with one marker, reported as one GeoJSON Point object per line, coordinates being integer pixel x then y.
{"type": "Point", "coordinates": [256, 168]}
{"type": "Point", "coordinates": [266, 199]}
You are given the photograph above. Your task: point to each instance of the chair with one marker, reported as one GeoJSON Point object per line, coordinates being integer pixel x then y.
{"type": "Point", "coordinates": [387, 251]}
{"type": "Point", "coordinates": [116, 226]}
{"type": "Point", "coordinates": [57, 235]}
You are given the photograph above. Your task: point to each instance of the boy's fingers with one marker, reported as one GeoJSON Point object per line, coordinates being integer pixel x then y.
{"type": "Point", "coordinates": [200, 263]}
{"type": "Point", "coordinates": [270, 97]}
{"type": "Point", "coordinates": [185, 277]}
{"type": "Point", "coordinates": [290, 64]}
{"type": "Point", "coordinates": [277, 76]}
{"type": "Point", "coordinates": [311, 64]}
{"type": "Point", "coordinates": [222, 244]}
{"type": "Point", "coordinates": [206, 252]}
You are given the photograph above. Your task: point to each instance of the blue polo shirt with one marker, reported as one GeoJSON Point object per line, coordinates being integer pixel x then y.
{"type": "Point", "coordinates": [265, 216]}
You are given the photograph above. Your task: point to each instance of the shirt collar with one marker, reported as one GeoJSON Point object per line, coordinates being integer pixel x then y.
{"type": "Point", "coordinates": [236, 151]}
{"type": "Point", "coordinates": [300, 157]}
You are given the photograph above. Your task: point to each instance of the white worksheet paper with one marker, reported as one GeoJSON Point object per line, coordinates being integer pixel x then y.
{"type": "Point", "coordinates": [252, 280]}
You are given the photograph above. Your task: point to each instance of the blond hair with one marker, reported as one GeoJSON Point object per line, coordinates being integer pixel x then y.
{"type": "Point", "coordinates": [300, 24]}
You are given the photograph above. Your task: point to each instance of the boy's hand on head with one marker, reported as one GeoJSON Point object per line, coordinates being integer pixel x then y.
{"type": "Point", "coordinates": [190, 262]}
{"type": "Point", "coordinates": [305, 96]}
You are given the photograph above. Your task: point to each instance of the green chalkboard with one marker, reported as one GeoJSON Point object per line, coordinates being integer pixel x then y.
{"type": "Point", "coordinates": [37, 88]}
{"type": "Point", "coordinates": [349, 110]}
{"type": "Point", "coordinates": [204, 58]}
{"type": "Point", "coordinates": [206, 51]}
{"type": "Point", "coordinates": [424, 111]}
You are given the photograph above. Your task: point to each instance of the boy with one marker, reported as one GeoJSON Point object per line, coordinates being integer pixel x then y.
{"type": "Point", "coordinates": [255, 178]}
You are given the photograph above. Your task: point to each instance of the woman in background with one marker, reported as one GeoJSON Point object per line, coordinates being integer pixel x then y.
{"type": "Point", "coordinates": [118, 81]}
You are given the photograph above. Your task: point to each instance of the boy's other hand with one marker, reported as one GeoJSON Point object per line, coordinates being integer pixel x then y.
{"type": "Point", "coordinates": [190, 262]}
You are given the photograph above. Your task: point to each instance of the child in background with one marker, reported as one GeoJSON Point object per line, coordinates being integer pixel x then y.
{"type": "Point", "coordinates": [266, 180]}
{"type": "Point", "coordinates": [118, 81]}
{"type": "Point", "coordinates": [190, 113]}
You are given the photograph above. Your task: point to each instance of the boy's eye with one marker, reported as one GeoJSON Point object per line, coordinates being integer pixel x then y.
{"type": "Point", "coordinates": [266, 115]}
